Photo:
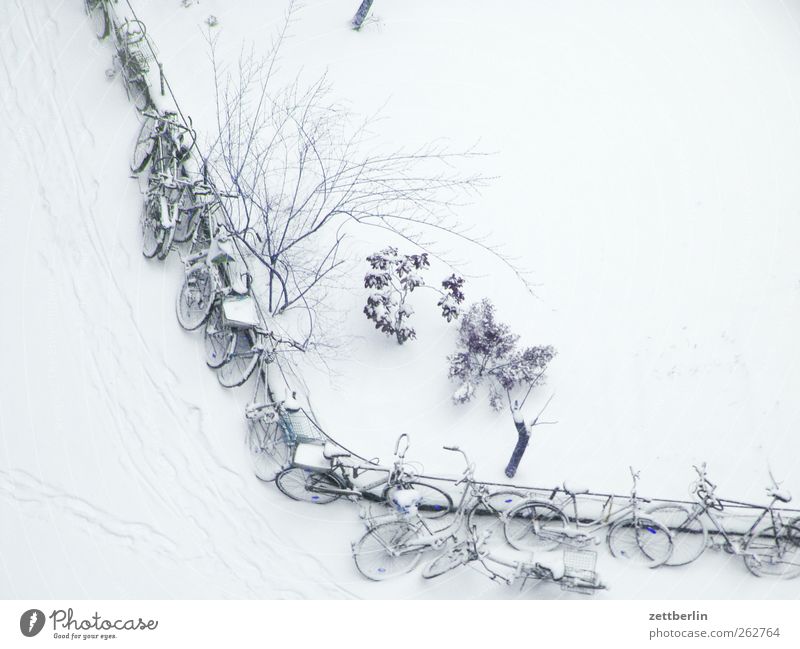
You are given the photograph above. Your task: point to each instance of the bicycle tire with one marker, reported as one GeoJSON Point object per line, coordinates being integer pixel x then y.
{"type": "Point", "coordinates": [492, 518]}
{"type": "Point", "coordinates": [434, 502]}
{"type": "Point", "coordinates": [374, 553]}
{"type": "Point", "coordinates": [152, 231]}
{"type": "Point", "coordinates": [776, 555]}
{"type": "Point", "coordinates": [642, 541]}
{"type": "Point", "coordinates": [240, 362]}
{"type": "Point", "coordinates": [269, 450]}
{"type": "Point", "coordinates": [188, 216]}
{"type": "Point", "coordinates": [793, 531]}
{"type": "Point", "coordinates": [534, 525]}
{"type": "Point", "coordinates": [298, 484]}
{"type": "Point", "coordinates": [139, 93]}
{"type": "Point", "coordinates": [446, 562]}
{"type": "Point", "coordinates": [689, 534]}
{"type": "Point", "coordinates": [145, 144]}
{"type": "Point", "coordinates": [218, 339]}
{"type": "Point", "coordinates": [169, 232]}
{"type": "Point", "coordinates": [98, 14]}
{"type": "Point", "coordinates": [195, 298]}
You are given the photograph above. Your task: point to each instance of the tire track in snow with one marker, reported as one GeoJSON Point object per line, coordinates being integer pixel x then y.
{"type": "Point", "coordinates": [45, 500]}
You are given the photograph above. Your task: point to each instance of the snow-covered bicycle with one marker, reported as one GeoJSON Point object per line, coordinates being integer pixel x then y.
{"type": "Point", "coordinates": [770, 546]}
{"type": "Point", "coordinates": [573, 570]}
{"type": "Point", "coordinates": [163, 142]}
{"type": "Point", "coordinates": [396, 547]}
{"type": "Point", "coordinates": [323, 473]}
{"type": "Point", "coordinates": [267, 437]}
{"type": "Point", "coordinates": [543, 525]}
{"type": "Point", "coordinates": [211, 274]}
{"type": "Point", "coordinates": [100, 12]}
{"type": "Point", "coordinates": [132, 63]}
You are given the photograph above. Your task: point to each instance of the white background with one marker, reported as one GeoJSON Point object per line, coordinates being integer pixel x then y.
{"type": "Point", "coordinates": [647, 156]}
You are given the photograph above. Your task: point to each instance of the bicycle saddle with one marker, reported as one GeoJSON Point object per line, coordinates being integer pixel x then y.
{"type": "Point", "coordinates": [574, 489]}
{"type": "Point", "coordinates": [330, 452]}
{"type": "Point", "coordinates": [552, 561]}
{"type": "Point", "coordinates": [781, 494]}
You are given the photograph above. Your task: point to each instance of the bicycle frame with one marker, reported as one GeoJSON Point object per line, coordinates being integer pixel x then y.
{"type": "Point", "coordinates": [609, 517]}
{"type": "Point", "coordinates": [218, 271]}
{"type": "Point", "coordinates": [396, 475]}
{"type": "Point", "coordinates": [534, 570]}
{"type": "Point", "coordinates": [169, 150]}
{"type": "Point", "coordinates": [474, 494]}
{"type": "Point", "coordinates": [737, 546]}
{"type": "Point", "coordinates": [348, 474]}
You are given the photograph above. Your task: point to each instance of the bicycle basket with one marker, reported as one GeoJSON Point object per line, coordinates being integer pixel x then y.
{"type": "Point", "coordinates": [311, 457]}
{"type": "Point", "coordinates": [297, 427]}
{"type": "Point", "coordinates": [579, 571]}
{"type": "Point", "coordinates": [240, 311]}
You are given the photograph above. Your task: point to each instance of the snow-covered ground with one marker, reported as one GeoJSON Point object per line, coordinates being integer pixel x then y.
{"type": "Point", "coordinates": [647, 156]}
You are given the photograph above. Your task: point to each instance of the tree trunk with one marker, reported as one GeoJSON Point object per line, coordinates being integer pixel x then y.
{"type": "Point", "coordinates": [361, 14]}
{"type": "Point", "coordinates": [524, 436]}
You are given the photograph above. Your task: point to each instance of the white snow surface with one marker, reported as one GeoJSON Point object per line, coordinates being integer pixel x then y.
{"type": "Point", "coordinates": [647, 157]}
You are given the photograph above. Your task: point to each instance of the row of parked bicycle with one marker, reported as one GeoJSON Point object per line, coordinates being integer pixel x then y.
{"type": "Point", "coordinates": [131, 58]}
{"type": "Point", "coordinates": [511, 534]}
{"type": "Point", "coordinates": [500, 528]}
{"type": "Point", "coordinates": [183, 212]}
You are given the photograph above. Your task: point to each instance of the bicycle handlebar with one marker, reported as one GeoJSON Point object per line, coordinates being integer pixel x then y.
{"type": "Point", "coordinates": [470, 470]}
{"type": "Point", "coordinates": [403, 438]}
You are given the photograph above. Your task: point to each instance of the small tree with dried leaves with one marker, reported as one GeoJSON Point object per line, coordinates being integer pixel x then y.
{"type": "Point", "coordinates": [489, 353]}
{"type": "Point", "coordinates": [392, 279]}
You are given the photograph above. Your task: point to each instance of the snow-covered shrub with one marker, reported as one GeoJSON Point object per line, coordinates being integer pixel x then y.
{"type": "Point", "coordinates": [453, 296]}
{"type": "Point", "coordinates": [392, 279]}
{"type": "Point", "coordinates": [488, 353]}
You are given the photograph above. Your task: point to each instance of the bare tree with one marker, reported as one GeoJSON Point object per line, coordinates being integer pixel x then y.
{"type": "Point", "coordinates": [361, 14]}
{"type": "Point", "coordinates": [306, 173]}
{"type": "Point", "coordinates": [524, 433]}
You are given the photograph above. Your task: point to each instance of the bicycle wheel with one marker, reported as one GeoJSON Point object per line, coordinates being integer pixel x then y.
{"type": "Point", "coordinates": [446, 562]}
{"type": "Point", "coordinates": [196, 298]}
{"type": "Point", "coordinates": [490, 516]}
{"type": "Point", "coordinates": [152, 231]}
{"type": "Point", "coordinates": [219, 339]}
{"type": "Point", "coordinates": [268, 448]}
{"type": "Point", "coordinates": [773, 555]}
{"type": "Point", "coordinates": [535, 525]}
{"type": "Point", "coordinates": [642, 541]}
{"type": "Point", "coordinates": [689, 535]}
{"type": "Point", "coordinates": [793, 531]}
{"type": "Point", "coordinates": [169, 232]}
{"type": "Point", "coordinates": [308, 486]}
{"type": "Point", "coordinates": [99, 16]}
{"type": "Point", "coordinates": [143, 150]}
{"type": "Point", "coordinates": [139, 93]}
{"type": "Point", "coordinates": [379, 553]}
{"type": "Point", "coordinates": [240, 362]}
{"type": "Point", "coordinates": [434, 502]}
{"type": "Point", "coordinates": [188, 216]}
